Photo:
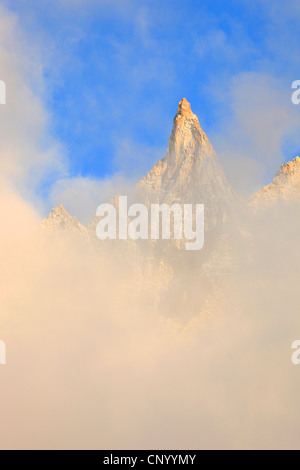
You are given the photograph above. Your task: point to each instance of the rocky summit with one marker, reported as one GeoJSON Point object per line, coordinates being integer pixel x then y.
{"type": "Point", "coordinates": [59, 220]}
{"type": "Point", "coordinates": [285, 186]}
{"type": "Point", "coordinates": [190, 173]}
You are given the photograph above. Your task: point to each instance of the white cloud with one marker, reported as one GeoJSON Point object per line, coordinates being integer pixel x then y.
{"type": "Point", "coordinates": [251, 138]}
{"type": "Point", "coordinates": [81, 196]}
{"type": "Point", "coordinates": [135, 159]}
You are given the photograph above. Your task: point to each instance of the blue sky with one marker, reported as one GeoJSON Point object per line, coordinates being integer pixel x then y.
{"type": "Point", "coordinates": [113, 73]}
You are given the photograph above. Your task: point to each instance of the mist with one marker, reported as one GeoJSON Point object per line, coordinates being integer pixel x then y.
{"type": "Point", "coordinates": [100, 356]}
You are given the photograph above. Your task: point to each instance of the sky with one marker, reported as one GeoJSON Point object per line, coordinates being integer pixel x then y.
{"type": "Point", "coordinates": [102, 80]}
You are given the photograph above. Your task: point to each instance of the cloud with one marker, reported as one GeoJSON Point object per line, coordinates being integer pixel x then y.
{"type": "Point", "coordinates": [251, 139]}
{"type": "Point", "coordinates": [28, 153]}
{"type": "Point", "coordinates": [19, 220]}
{"type": "Point", "coordinates": [107, 351]}
{"type": "Point", "coordinates": [135, 159]}
{"type": "Point", "coordinates": [100, 353]}
{"type": "Point", "coordinates": [81, 196]}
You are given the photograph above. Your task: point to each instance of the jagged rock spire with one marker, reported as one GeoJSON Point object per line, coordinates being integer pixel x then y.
{"type": "Point", "coordinates": [190, 172]}
{"type": "Point", "coordinates": [187, 135]}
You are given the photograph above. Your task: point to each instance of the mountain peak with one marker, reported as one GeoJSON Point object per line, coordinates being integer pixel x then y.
{"type": "Point", "coordinates": [60, 220]}
{"type": "Point", "coordinates": [59, 210]}
{"type": "Point", "coordinates": [285, 186]}
{"type": "Point", "coordinates": [187, 138]}
{"type": "Point", "coordinates": [290, 169]}
{"type": "Point", "coordinates": [190, 172]}
{"type": "Point", "coordinates": [184, 108]}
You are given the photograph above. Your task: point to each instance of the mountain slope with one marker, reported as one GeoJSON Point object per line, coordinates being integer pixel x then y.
{"type": "Point", "coordinates": [59, 220]}
{"type": "Point", "coordinates": [284, 187]}
{"type": "Point", "coordinates": [190, 172]}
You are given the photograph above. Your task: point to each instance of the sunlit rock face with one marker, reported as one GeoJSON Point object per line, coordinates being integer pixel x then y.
{"type": "Point", "coordinates": [190, 173]}
{"type": "Point", "coordinates": [59, 220]}
{"type": "Point", "coordinates": [284, 187]}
